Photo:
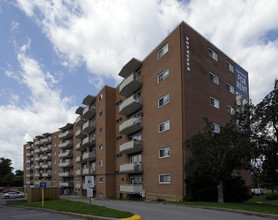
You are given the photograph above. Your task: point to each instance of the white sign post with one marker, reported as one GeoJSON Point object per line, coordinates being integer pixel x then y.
{"type": "Point", "coordinates": [90, 183]}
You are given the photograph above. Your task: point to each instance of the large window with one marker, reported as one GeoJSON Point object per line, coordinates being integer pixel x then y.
{"type": "Point", "coordinates": [214, 78]}
{"type": "Point", "coordinates": [230, 88]}
{"type": "Point", "coordinates": [162, 51]}
{"type": "Point", "coordinates": [164, 178]}
{"type": "Point", "coordinates": [230, 66]}
{"type": "Point", "coordinates": [164, 152]}
{"type": "Point", "coordinates": [163, 100]}
{"type": "Point", "coordinates": [100, 164]}
{"type": "Point", "coordinates": [215, 128]}
{"type": "Point", "coordinates": [230, 110]}
{"type": "Point", "coordinates": [213, 54]}
{"type": "Point", "coordinates": [214, 102]}
{"type": "Point", "coordinates": [164, 126]}
{"type": "Point", "coordinates": [163, 75]}
{"type": "Point", "coordinates": [100, 179]}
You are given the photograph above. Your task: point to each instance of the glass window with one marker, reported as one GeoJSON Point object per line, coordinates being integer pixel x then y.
{"type": "Point", "coordinates": [100, 97]}
{"type": "Point", "coordinates": [214, 102]}
{"type": "Point", "coordinates": [214, 78]}
{"type": "Point", "coordinates": [100, 163]}
{"type": "Point", "coordinates": [215, 128]}
{"type": "Point", "coordinates": [230, 110]}
{"type": "Point", "coordinates": [213, 54]}
{"type": "Point", "coordinates": [164, 152]}
{"type": "Point", "coordinates": [229, 66]}
{"type": "Point", "coordinates": [100, 130]}
{"type": "Point", "coordinates": [164, 126]}
{"type": "Point", "coordinates": [230, 88]}
{"type": "Point", "coordinates": [164, 178]}
{"type": "Point", "coordinates": [100, 179]}
{"type": "Point", "coordinates": [163, 75]}
{"type": "Point", "coordinates": [163, 101]}
{"type": "Point", "coordinates": [100, 113]}
{"type": "Point", "coordinates": [100, 146]}
{"type": "Point", "coordinates": [162, 51]}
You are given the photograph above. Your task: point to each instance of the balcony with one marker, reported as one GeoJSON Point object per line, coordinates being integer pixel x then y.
{"type": "Point", "coordinates": [131, 189]}
{"type": "Point", "coordinates": [45, 166]}
{"type": "Point", "coordinates": [130, 126]}
{"type": "Point", "coordinates": [80, 134]}
{"type": "Point", "coordinates": [37, 159]}
{"type": "Point", "coordinates": [79, 147]}
{"type": "Point", "coordinates": [78, 172]}
{"type": "Point", "coordinates": [89, 156]}
{"type": "Point", "coordinates": [28, 147]}
{"type": "Point", "coordinates": [131, 168]}
{"type": "Point", "coordinates": [78, 186]}
{"type": "Point", "coordinates": [67, 154]}
{"type": "Point", "coordinates": [28, 154]}
{"type": "Point", "coordinates": [65, 174]}
{"type": "Point", "coordinates": [46, 175]}
{"type": "Point", "coordinates": [28, 168]}
{"type": "Point", "coordinates": [130, 105]}
{"type": "Point", "coordinates": [88, 142]}
{"type": "Point", "coordinates": [46, 149]}
{"type": "Point", "coordinates": [131, 147]}
{"type": "Point", "coordinates": [66, 145]}
{"type": "Point", "coordinates": [89, 127]}
{"type": "Point", "coordinates": [46, 140]}
{"type": "Point", "coordinates": [132, 66]}
{"type": "Point", "coordinates": [79, 121]}
{"type": "Point", "coordinates": [84, 186]}
{"type": "Point", "coordinates": [37, 166]}
{"type": "Point", "coordinates": [130, 84]}
{"type": "Point", "coordinates": [47, 157]}
{"type": "Point", "coordinates": [66, 184]}
{"type": "Point", "coordinates": [37, 150]}
{"type": "Point", "coordinates": [86, 171]}
{"type": "Point", "coordinates": [89, 112]}
{"type": "Point", "coordinates": [65, 164]}
{"type": "Point", "coordinates": [28, 175]}
{"type": "Point", "coordinates": [78, 159]}
{"type": "Point", "coordinates": [28, 161]}
{"type": "Point", "coordinates": [65, 135]}
{"type": "Point", "coordinates": [37, 175]}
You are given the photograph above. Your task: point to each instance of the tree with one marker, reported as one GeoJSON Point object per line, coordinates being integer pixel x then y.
{"type": "Point", "coordinates": [5, 167]}
{"type": "Point", "coordinates": [218, 155]}
{"type": "Point", "coordinates": [264, 126]}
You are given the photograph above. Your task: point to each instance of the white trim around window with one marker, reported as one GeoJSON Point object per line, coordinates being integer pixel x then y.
{"type": "Point", "coordinates": [164, 126]}
{"type": "Point", "coordinates": [215, 127]}
{"type": "Point", "coordinates": [162, 51]}
{"type": "Point", "coordinates": [164, 178]}
{"type": "Point", "coordinates": [164, 152]}
{"type": "Point", "coordinates": [214, 102]}
{"type": "Point", "coordinates": [213, 54]}
{"type": "Point", "coordinates": [163, 100]}
{"type": "Point", "coordinates": [163, 75]}
{"type": "Point", "coordinates": [230, 88]}
{"type": "Point", "coordinates": [213, 78]}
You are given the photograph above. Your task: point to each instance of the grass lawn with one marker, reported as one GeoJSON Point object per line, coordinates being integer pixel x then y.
{"type": "Point", "coordinates": [78, 207]}
{"type": "Point", "coordinates": [264, 206]}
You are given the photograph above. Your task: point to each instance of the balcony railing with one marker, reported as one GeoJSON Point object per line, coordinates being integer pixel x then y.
{"type": "Point", "coordinates": [47, 157]}
{"type": "Point", "coordinates": [130, 126]}
{"type": "Point", "coordinates": [37, 150]}
{"type": "Point", "coordinates": [80, 134]}
{"type": "Point", "coordinates": [37, 175]}
{"type": "Point", "coordinates": [46, 175]}
{"type": "Point", "coordinates": [78, 172]}
{"type": "Point", "coordinates": [89, 112]}
{"type": "Point", "coordinates": [131, 147]}
{"type": "Point", "coordinates": [46, 140]}
{"type": "Point", "coordinates": [37, 159]}
{"type": "Point", "coordinates": [131, 188]}
{"type": "Point", "coordinates": [28, 154]}
{"type": "Point", "coordinates": [66, 144]}
{"type": "Point", "coordinates": [65, 174]}
{"type": "Point", "coordinates": [79, 121]}
{"type": "Point", "coordinates": [65, 135]}
{"type": "Point", "coordinates": [88, 142]}
{"type": "Point", "coordinates": [88, 156]}
{"type": "Point", "coordinates": [131, 168]}
{"type": "Point", "coordinates": [65, 164]}
{"type": "Point", "coordinates": [130, 84]}
{"type": "Point", "coordinates": [45, 166]}
{"type": "Point", "coordinates": [78, 159]}
{"type": "Point", "coordinates": [66, 184]}
{"type": "Point", "coordinates": [89, 127]}
{"type": "Point", "coordinates": [28, 168]}
{"type": "Point", "coordinates": [46, 149]}
{"type": "Point", "coordinates": [130, 105]}
{"type": "Point", "coordinates": [28, 147]}
{"type": "Point", "coordinates": [67, 154]}
{"type": "Point", "coordinates": [28, 161]}
{"type": "Point", "coordinates": [79, 147]}
{"type": "Point", "coordinates": [86, 171]}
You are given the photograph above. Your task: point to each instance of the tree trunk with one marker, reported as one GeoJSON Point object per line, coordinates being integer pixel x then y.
{"type": "Point", "coordinates": [220, 193]}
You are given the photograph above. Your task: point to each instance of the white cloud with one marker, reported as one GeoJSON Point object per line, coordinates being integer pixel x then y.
{"type": "Point", "coordinates": [105, 34]}
{"type": "Point", "coordinates": [45, 111]}
{"type": "Point", "coordinates": [14, 26]}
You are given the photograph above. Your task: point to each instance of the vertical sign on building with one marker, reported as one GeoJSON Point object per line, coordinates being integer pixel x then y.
{"type": "Point", "coordinates": [187, 42]}
{"type": "Point", "coordinates": [241, 85]}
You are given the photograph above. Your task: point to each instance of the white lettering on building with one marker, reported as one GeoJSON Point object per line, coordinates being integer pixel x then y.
{"type": "Point", "coordinates": [187, 53]}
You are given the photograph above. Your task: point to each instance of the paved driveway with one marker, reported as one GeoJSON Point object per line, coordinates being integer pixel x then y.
{"type": "Point", "coordinates": [154, 211]}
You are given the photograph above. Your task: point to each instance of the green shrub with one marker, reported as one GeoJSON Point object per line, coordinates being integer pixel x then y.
{"type": "Point", "coordinates": [272, 196]}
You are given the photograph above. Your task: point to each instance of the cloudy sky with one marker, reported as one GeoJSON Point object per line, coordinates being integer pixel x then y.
{"type": "Point", "coordinates": [55, 52]}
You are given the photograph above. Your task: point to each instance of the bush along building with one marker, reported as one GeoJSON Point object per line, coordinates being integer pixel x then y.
{"type": "Point", "coordinates": [130, 138]}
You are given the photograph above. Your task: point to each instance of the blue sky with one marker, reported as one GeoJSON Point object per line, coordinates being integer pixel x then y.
{"type": "Point", "coordinates": [54, 53]}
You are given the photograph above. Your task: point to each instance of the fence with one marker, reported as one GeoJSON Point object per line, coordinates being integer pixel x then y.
{"type": "Point", "coordinates": [160, 197]}
{"type": "Point", "coordinates": [35, 194]}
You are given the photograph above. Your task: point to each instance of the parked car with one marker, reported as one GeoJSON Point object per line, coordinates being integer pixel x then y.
{"type": "Point", "coordinates": [258, 192]}
{"type": "Point", "coordinates": [6, 190]}
{"type": "Point", "coordinates": [12, 195]}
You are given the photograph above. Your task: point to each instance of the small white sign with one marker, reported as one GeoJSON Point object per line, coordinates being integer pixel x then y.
{"type": "Point", "coordinates": [90, 192]}
{"type": "Point", "coordinates": [90, 181]}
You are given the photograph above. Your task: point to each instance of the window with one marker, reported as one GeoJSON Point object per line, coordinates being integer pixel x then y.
{"type": "Point", "coordinates": [54, 145]}
{"type": "Point", "coordinates": [213, 54]}
{"type": "Point", "coordinates": [164, 126]}
{"type": "Point", "coordinates": [230, 66]}
{"type": "Point", "coordinates": [214, 78]}
{"type": "Point", "coordinates": [54, 171]}
{"type": "Point", "coordinates": [164, 152]}
{"type": "Point", "coordinates": [54, 161]}
{"type": "Point", "coordinates": [215, 127]}
{"type": "Point", "coordinates": [100, 97]}
{"type": "Point", "coordinates": [214, 102]}
{"type": "Point", "coordinates": [118, 138]}
{"type": "Point", "coordinates": [100, 113]}
{"type": "Point", "coordinates": [100, 146]}
{"type": "Point", "coordinates": [163, 101]}
{"type": "Point", "coordinates": [100, 194]}
{"type": "Point", "coordinates": [118, 120]}
{"type": "Point", "coordinates": [230, 110]}
{"type": "Point", "coordinates": [100, 179]}
{"type": "Point", "coordinates": [54, 136]}
{"type": "Point", "coordinates": [164, 178]}
{"type": "Point", "coordinates": [230, 88]}
{"type": "Point", "coordinates": [162, 51]}
{"type": "Point", "coordinates": [163, 75]}
{"type": "Point", "coordinates": [100, 163]}
{"type": "Point", "coordinates": [100, 130]}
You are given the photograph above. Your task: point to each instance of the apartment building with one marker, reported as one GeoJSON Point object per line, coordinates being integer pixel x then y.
{"type": "Point", "coordinates": [130, 138]}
